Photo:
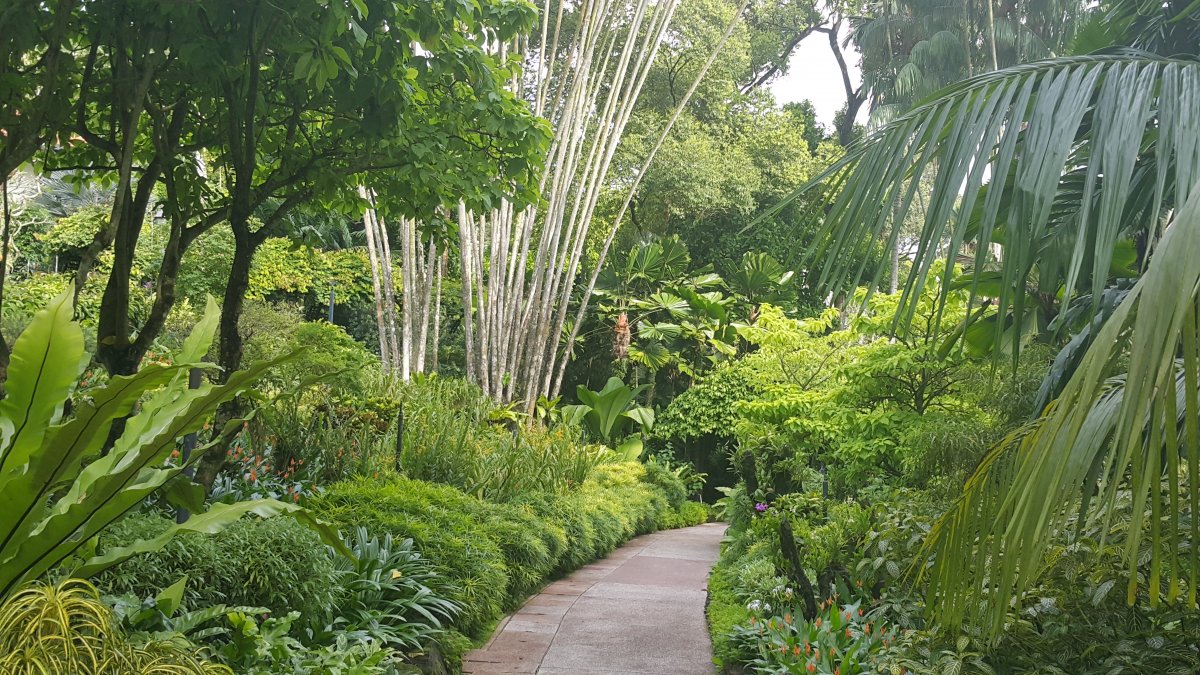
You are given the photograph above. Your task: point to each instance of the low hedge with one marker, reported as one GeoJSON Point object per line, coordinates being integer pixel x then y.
{"type": "Point", "coordinates": [277, 564]}
{"type": "Point", "coordinates": [500, 553]}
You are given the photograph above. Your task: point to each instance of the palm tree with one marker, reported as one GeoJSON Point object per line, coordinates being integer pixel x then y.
{"type": "Point", "coordinates": [1057, 165]}
{"type": "Point", "coordinates": [912, 48]}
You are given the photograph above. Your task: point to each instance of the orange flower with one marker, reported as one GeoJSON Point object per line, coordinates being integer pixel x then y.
{"type": "Point", "coordinates": [848, 633]}
{"type": "Point", "coordinates": [787, 618]}
{"type": "Point", "coordinates": [818, 624]}
{"type": "Point", "coordinates": [860, 612]}
{"type": "Point", "coordinates": [868, 628]}
{"type": "Point", "coordinates": [253, 475]}
{"type": "Point", "coordinates": [796, 650]}
{"type": "Point", "coordinates": [811, 667]}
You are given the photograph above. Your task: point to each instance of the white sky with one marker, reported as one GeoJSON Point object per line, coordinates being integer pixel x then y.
{"type": "Point", "coordinates": [814, 75]}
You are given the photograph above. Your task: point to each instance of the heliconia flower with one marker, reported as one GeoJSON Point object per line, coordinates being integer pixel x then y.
{"type": "Point", "coordinates": [811, 667]}
{"type": "Point", "coordinates": [796, 650]}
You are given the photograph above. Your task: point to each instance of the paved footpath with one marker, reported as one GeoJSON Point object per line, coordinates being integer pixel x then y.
{"type": "Point", "coordinates": [640, 610]}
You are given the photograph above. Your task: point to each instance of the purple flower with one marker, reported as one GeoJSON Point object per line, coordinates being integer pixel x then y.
{"type": "Point", "coordinates": [760, 507]}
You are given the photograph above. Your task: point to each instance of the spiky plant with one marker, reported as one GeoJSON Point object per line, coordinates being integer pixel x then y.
{"type": "Point", "coordinates": [65, 628]}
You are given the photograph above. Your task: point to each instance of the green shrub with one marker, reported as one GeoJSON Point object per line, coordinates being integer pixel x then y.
{"type": "Point", "coordinates": [497, 554]}
{"type": "Point", "coordinates": [688, 514]}
{"type": "Point", "coordinates": [451, 436]}
{"type": "Point", "coordinates": [275, 563]}
{"type": "Point", "coordinates": [725, 611]}
{"type": "Point", "coordinates": [672, 486]}
{"type": "Point", "coordinates": [444, 525]}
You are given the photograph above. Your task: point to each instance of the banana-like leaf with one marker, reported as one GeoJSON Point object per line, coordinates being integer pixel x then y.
{"type": "Point", "coordinates": [642, 416]}
{"type": "Point", "coordinates": [606, 408]}
{"type": "Point", "coordinates": [1139, 432]}
{"type": "Point", "coordinates": [630, 449]}
{"type": "Point", "coordinates": [218, 517]}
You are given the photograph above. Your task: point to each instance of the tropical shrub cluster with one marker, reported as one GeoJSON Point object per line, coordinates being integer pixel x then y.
{"type": "Point", "coordinates": [851, 447]}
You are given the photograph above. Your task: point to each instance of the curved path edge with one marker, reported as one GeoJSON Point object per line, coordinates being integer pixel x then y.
{"type": "Point", "coordinates": [639, 610]}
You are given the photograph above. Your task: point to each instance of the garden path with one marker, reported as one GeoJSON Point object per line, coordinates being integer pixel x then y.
{"type": "Point", "coordinates": [640, 610]}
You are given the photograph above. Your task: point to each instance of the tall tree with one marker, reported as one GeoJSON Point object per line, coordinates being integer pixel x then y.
{"type": "Point", "coordinates": [311, 119]}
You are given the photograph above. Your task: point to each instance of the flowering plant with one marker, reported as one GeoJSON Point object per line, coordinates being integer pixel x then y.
{"type": "Point", "coordinates": [250, 475]}
{"type": "Point", "coordinates": [838, 641]}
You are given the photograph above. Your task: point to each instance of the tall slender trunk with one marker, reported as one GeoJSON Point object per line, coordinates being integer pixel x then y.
{"type": "Point", "coordinates": [230, 335]}
{"type": "Point", "coordinates": [894, 282]}
{"type": "Point", "coordinates": [991, 28]}
{"type": "Point", "coordinates": [437, 312]}
{"type": "Point", "coordinates": [5, 237]}
{"type": "Point", "coordinates": [385, 355]}
{"type": "Point", "coordinates": [468, 274]}
{"type": "Point", "coordinates": [389, 290]}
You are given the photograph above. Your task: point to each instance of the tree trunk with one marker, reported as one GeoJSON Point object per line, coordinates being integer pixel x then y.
{"type": "Point", "coordinates": [231, 345]}
{"type": "Point", "coordinates": [114, 349]}
{"type": "Point", "coordinates": [5, 351]}
{"type": "Point", "coordinates": [437, 312]}
{"type": "Point", "coordinates": [389, 290]}
{"type": "Point", "coordinates": [377, 287]}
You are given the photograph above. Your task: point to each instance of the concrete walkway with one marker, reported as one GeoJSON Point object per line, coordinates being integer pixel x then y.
{"type": "Point", "coordinates": [640, 610]}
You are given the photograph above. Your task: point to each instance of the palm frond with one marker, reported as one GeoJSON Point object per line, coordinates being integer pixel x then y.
{"type": "Point", "coordinates": [1136, 431]}
{"type": "Point", "coordinates": [1123, 127]}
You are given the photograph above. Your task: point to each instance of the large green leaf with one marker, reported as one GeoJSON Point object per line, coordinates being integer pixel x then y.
{"type": "Point", "coordinates": [605, 409]}
{"type": "Point", "coordinates": [57, 490]}
{"type": "Point", "coordinates": [1137, 432]}
{"type": "Point", "coordinates": [1083, 152]}
{"type": "Point", "coordinates": [45, 364]}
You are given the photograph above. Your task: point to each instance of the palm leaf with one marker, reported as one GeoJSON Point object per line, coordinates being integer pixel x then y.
{"type": "Point", "coordinates": [1118, 134]}
{"type": "Point", "coordinates": [1138, 431]}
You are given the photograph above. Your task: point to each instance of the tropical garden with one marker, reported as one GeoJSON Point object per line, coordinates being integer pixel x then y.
{"type": "Point", "coordinates": [330, 332]}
